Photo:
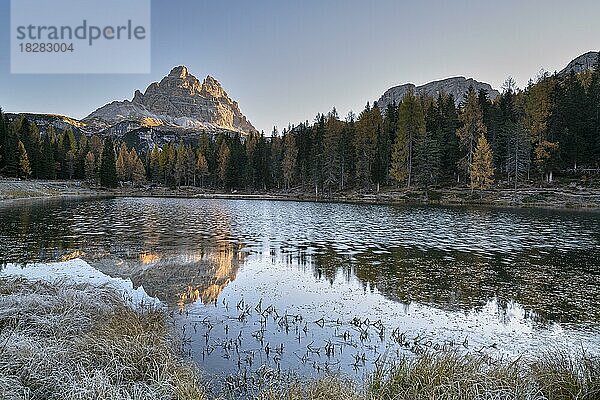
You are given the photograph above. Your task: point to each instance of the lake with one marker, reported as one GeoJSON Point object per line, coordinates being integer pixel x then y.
{"type": "Point", "coordinates": [314, 287]}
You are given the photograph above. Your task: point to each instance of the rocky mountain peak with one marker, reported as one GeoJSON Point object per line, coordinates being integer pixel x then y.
{"type": "Point", "coordinates": [456, 86]}
{"type": "Point", "coordinates": [582, 63]}
{"type": "Point", "coordinates": [178, 100]}
{"type": "Point", "coordinates": [212, 88]}
{"type": "Point", "coordinates": [180, 71]}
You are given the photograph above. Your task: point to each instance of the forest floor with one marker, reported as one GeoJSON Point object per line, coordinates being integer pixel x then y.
{"type": "Point", "coordinates": [573, 196]}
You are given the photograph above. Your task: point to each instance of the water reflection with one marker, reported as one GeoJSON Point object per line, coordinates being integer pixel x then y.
{"type": "Point", "coordinates": [184, 250]}
{"type": "Point", "coordinates": [316, 287]}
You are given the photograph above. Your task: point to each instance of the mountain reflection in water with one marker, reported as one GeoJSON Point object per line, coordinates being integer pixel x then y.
{"type": "Point", "coordinates": [178, 279]}
{"type": "Point", "coordinates": [186, 250]}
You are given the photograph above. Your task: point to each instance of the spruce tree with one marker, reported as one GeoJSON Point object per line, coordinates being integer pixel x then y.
{"type": "Point", "coordinates": [427, 160]}
{"type": "Point", "coordinates": [28, 137]}
{"type": "Point", "coordinates": [347, 150]}
{"type": "Point", "coordinates": [3, 138]}
{"type": "Point", "coordinates": [154, 172]}
{"type": "Point", "coordinates": [518, 153]}
{"type": "Point", "coordinates": [332, 159]}
{"type": "Point", "coordinates": [224, 160]}
{"type": "Point", "coordinates": [365, 143]}
{"type": "Point", "coordinates": [290, 155]}
{"type": "Point", "coordinates": [316, 152]}
{"type": "Point", "coordinates": [538, 110]}
{"type": "Point", "coordinates": [108, 171]}
{"type": "Point", "coordinates": [11, 153]}
{"type": "Point", "coordinates": [202, 167]}
{"type": "Point", "coordinates": [472, 128]}
{"type": "Point", "coordinates": [47, 165]}
{"type": "Point", "coordinates": [411, 127]}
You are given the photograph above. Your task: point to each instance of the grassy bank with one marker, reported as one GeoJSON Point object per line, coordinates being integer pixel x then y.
{"type": "Point", "coordinates": [11, 189]}
{"type": "Point", "coordinates": [66, 341]}
{"type": "Point", "coordinates": [558, 196]}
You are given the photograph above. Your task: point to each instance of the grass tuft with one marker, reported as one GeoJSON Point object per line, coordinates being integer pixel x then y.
{"type": "Point", "coordinates": [75, 341]}
{"type": "Point", "coordinates": [453, 375]}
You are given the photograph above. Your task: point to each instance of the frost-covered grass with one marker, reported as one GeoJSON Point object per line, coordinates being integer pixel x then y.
{"type": "Point", "coordinates": [64, 340]}
{"type": "Point", "coordinates": [451, 375]}
{"type": "Point", "coordinates": [75, 341]}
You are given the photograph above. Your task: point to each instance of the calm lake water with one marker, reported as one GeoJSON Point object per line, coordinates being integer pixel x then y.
{"type": "Point", "coordinates": [315, 286]}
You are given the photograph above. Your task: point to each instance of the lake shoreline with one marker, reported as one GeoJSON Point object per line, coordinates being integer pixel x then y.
{"type": "Point", "coordinates": [558, 197]}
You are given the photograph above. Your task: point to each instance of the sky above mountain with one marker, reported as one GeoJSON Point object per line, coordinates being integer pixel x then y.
{"type": "Point", "coordinates": [285, 61]}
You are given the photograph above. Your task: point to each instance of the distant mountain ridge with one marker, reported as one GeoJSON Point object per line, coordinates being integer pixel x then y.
{"type": "Point", "coordinates": [180, 107]}
{"type": "Point", "coordinates": [456, 86]}
{"type": "Point", "coordinates": [582, 63]}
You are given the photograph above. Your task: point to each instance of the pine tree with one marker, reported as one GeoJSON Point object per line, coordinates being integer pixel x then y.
{"type": "Point", "coordinates": [365, 143]}
{"type": "Point", "coordinates": [411, 127]}
{"type": "Point", "coordinates": [11, 153]}
{"type": "Point", "coordinates": [332, 159]}
{"type": "Point", "coordinates": [123, 164]}
{"type": "Point", "coordinates": [90, 167]}
{"type": "Point", "coordinates": [472, 128]}
{"type": "Point", "coordinates": [538, 110]}
{"type": "Point", "coordinates": [24, 167]}
{"type": "Point", "coordinates": [3, 135]}
{"type": "Point", "coordinates": [224, 158]}
{"type": "Point", "coordinates": [154, 172]}
{"type": "Point", "coordinates": [202, 167]}
{"type": "Point", "coordinates": [482, 168]}
{"type": "Point", "coordinates": [108, 170]}
{"type": "Point", "coordinates": [427, 160]}
{"type": "Point", "coordinates": [29, 134]}
{"type": "Point", "coordinates": [47, 165]}
{"type": "Point", "coordinates": [290, 154]}
{"type": "Point", "coordinates": [519, 153]}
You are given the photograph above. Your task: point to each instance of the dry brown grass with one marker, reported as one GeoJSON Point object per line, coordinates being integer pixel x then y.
{"type": "Point", "coordinates": [66, 341]}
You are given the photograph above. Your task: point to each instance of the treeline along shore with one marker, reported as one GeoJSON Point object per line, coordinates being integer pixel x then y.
{"type": "Point", "coordinates": [523, 147]}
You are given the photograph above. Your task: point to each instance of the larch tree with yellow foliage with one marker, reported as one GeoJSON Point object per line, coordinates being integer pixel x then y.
{"type": "Point", "coordinates": [482, 168]}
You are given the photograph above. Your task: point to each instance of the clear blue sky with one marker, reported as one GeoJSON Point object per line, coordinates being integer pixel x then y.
{"type": "Point", "coordinates": [286, 60]}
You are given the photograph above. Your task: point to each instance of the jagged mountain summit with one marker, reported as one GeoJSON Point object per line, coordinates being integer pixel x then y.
{"type": "Point", "coordinates": [456, 86]}
{"type": "Point", "coordinates": [178, 102]}
{"type": "Point", "coordinates": [582, 63]}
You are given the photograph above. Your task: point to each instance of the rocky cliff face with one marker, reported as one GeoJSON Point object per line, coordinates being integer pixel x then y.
{"type": "Point", "coordinates": [179, 101]}
{"type": "Point", "coordinates": [456, 86]}
{"type": "Point", "coordinates": [582, 63]}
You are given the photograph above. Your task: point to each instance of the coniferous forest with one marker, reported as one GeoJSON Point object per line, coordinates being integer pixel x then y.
{"type": "Point", "coordinates": [549, 130]}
